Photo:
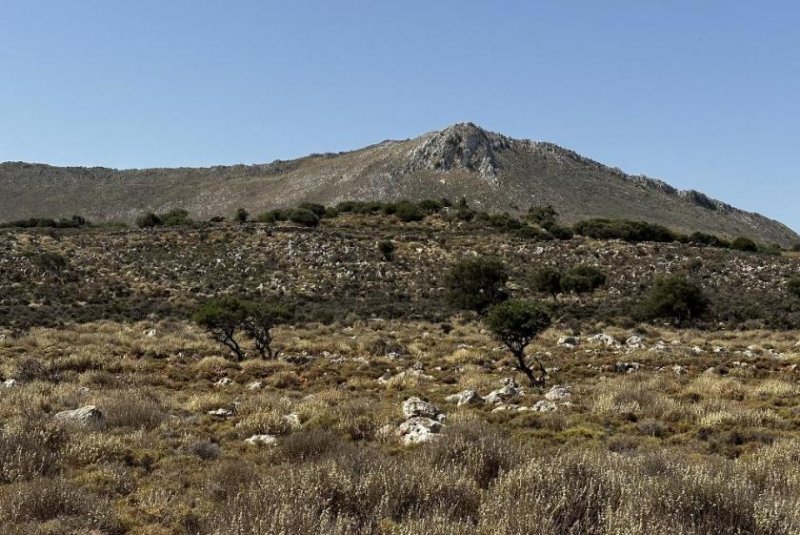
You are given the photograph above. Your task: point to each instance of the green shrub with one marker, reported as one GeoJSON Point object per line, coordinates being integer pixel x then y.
{"type": "Point", "coordinates": [622, 229]}
{"type": "Point", "coordinates": [516, 323]}
{"type": "Point", "coordinates": [582, 279]}
{"type": "Point", "coordinates": [175, 217]}
{"type": "Point", "coordinates": [674, 297]}
{"type": "Point", "coordinates": [272, 216]}
{"type": "Point", "coordinates": [304, 217]}
{"type": "Point", "coordinates": [387, 248]}
{"type": "Point", "coordinates": [794, 286]}
{"type": "Point", "coordinates": [148, 219]}
{"type": "Point", "coordinates": [744, 244]}
{"type": "Point", "coordinates": [476, 283]}
{"type": "Point", "coordinates": [260, 319]}
{"type": "Point", "coordinates": [701, 238]}
{"type": "Point", "coordinates": [317, 209]}
{"type": "Point", "coordinates": [407, 211]}
{"type": "Point", "coordinates": [504, 221]}
{"type": "Point", "coordinates": [242, 215]}
{"type": "Point", "coordinates": [544, 216]}
{"type": "Point", "coordinates": [547, 280]}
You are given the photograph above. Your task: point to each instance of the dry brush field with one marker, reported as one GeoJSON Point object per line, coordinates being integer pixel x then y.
{"type": "Point", "coordinates": [644, 429]}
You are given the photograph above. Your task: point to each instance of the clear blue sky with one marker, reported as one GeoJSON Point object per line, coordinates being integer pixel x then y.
{"type": "Point", "coordinates": [704, 94]}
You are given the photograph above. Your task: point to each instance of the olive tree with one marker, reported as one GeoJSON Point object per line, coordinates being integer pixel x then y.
{"type": "Point", "coordinates": [222, 318]}
{"type": "Point", "coordinates": [260, 319]}
{"type": "Point", "coordinates": [548, 280]}
{"type": "Point", "coordinates": [516, 324]}
{"type": "Point", "coordinates": [582, 279]}
{"type": "Point", "coordinates": [674, 297]}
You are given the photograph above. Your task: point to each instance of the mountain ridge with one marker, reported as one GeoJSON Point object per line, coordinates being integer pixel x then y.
{"type": "Point", "coordinates": [493, 171]}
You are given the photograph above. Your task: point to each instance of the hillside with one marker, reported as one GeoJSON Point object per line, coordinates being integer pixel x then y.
{"type": "Point", "coordinates": [495, 173]}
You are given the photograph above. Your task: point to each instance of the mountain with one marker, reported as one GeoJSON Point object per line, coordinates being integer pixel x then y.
{"type": "Point", "coordinates": [494, 172]}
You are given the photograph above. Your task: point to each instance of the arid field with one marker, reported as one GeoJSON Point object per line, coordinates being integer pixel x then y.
{"type": "Point", "coordinates": [388, 411]}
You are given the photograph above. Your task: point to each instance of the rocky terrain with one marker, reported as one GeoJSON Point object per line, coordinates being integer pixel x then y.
{"type": "Point", "coordinates": [493, 172]}
{"type": "Point", "coordinates": [388, 412]}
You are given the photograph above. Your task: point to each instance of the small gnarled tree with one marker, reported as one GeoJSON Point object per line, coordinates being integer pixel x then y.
{"type": "Point", "coordinates": [222, 318]}
{"type": "Point", "coordinates": [517, 323]}
{"type": "Point", "coordinates": [259, 321]}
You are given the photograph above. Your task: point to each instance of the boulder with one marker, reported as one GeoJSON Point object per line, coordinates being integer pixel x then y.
{"type": "Point", "coordinates": [569, 342]}
{"type": "Point", "coordinates": [10, 383]}
{"type": "Point", "coordinates": [603, 339]}
{"type": "Point", "coordinates": [465, 397]}
{"type": "Point", "coordinates": [509, 390]}
{"type": "Point", "coordinates": [225, 381]}
{"type": "Point", "coordinates": [261, 440]}
{"type": "Point", "coordinates": [418, 430]}
{"type": "Point", "coordinates": [88, 416]}
{"type": "Point", "coordinates": [558, 393]}
{"type": "Point", "coordinates": [415, 407]}
{"type": "Point", "coordinates": [627, 367]}
{"type": "Point", "coordinates": [635, 342]}
{"type": "Point", "coordinates": [221, 413]}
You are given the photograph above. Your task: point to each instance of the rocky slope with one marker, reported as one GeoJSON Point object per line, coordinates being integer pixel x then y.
{"type": "Point", "coordinates": [494, 172]}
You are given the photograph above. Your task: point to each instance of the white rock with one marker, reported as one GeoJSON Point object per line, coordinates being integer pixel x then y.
{"type": "Point", "coordinates": [418, 430]}
{"type": "Point", "coordinates": [545, 405]}
{"type": "Point", "coordinates": [510, 390]}
{"type": "Point", "coordinates": [222, 413]}
{"type": "Point", "coordinates": [87, 416]}
{"type": "Point", "coordinates": [255, 385]}
{"type": "Point", "coordinates": [150, 333]}
{"type": "Point", "coordinates": [225, 381]}
{"type": "Point", "coordinates": [10, 383]}
{"type": "Point", "coordinates": [627, 367]}
{"type": "Point", "coordinates": [680, 370]}
{"type": "Point", "coordinates": [416, 407]}
{"type": "Point", "coordinates": [603, 339]}
{"type": "Point", "coordinates": [261, 440]}
{"type": "Point", "coordinates": [569, 342]}
{"type": "Point", "coordinates": [558, 393]}
{"type": "Point", "coordinates": [466, 397]}
{"type": "Point", "coordinates": [293, 420]}
{"type": "Point", "coordinates": [635, 342]}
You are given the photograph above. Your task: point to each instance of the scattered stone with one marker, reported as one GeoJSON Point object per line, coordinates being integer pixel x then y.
{"type": "Point", "coordinates": [558, 393]}
{"type": "Point", "coordinates": [466, 397]}
{"type": "Point", "coordinates": [225, 381]}
{"type": "Point", "coordinates": [293, 420]}
{"type": "Point", "coordinates": [569, 342]}
{"type": "Point", "coordinates": [10, 383]}
{"type": "Point", "coordinates": [255, 385]}
{"type": "Point", "coordinates": [88, 416]}
{"type": "Point", "coordinates": [603, 339]}
{"type": "Point", "coordinates": [509, 391]}
{"type": "Point", "coordinates": [150, 333]}
{"type": "Point", "coordinates": [545, 405]}
{"type": "Point", "coordinates": [635, 342]}
{"type": "Point", "coordinates": [221, 413]}
{"type": "Point", "coordinates": [415, 407]}
{"type": "Point", "coordinates": [627, 367]}
{"type": "Point", "coordinates": [680, 370]}
{"type": "Point", "coordinates": [261, 440]}
{"type": "Point", "coordinates": [418, 430]}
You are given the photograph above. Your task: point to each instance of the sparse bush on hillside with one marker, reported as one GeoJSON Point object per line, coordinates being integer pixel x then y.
{"type": "Point", "coordinates": [75, 221]}
{"type": "Point", "coordinates": [272, 216]}
{"type": "Point", "coordinates": [582, 279]}
{"type": "Point", "coordinates": [504, 221]}
{"type": "Point", "coordinates": [175, 217]}
{"type": "Point", "coordinates": [51, 262]}
{"type": "Point", "coordinates": [544, 216]}
{"type": "Point", "coordinates": [477, 283]}
{"type": "Point", "coordinates": [304, 217]}
{"type": "Point", "coordinates": [408, 211]}
{"type": "Point", "coordinates": [621, 229]}
{"type": "Point", "coordinates": [516, 323]}
{"type": "Point", "coordinates": [744, 244]}
{"type": "Point", "coordinates": [794, 286]}
{"type": "Point", "coordinates": [674, 297]}
{"type": "Point", "coordinates": [547, 280]}
{"type": "Point", "coordinates": [317, 209]}
{"type": "Point", "coordinates": [387, 248]}
{"type": "Point", "coordinates": [242, 215]}
{"type": "Point", "coordinates": [701, 238]}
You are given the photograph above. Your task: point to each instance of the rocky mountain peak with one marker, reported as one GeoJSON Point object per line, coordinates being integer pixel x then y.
{"type": "Point", "coordinates": [460, 146]}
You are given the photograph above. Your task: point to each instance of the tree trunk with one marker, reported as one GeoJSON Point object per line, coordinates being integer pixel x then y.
{"type": "Point", "coordinates": [524, 368]}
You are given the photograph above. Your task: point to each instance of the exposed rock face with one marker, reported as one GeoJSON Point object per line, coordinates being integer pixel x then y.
{"type": "Point", "coordinates": [88, 416]}
{"type": "Point", "coordinates": [510, 390]}
{"type": "Point", "coordinates": [461, 146]}
{"type": "Point", "coordinates": [558, 393]}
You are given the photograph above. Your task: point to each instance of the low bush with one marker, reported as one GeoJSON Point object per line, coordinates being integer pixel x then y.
{"type": "Point", "coordinates": [622, 229]}
{"type": "Point", "coordinates": [304, 217]}
{"type": "Point", "coordinates": [673, 297]}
